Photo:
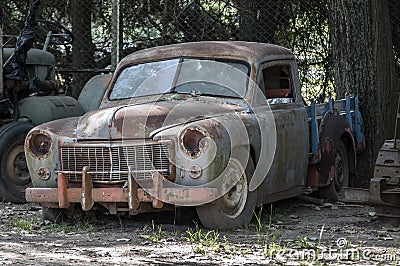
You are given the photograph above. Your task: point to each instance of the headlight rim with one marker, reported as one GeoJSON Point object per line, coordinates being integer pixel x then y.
{"type": "Point", "coordinates": [30, 145]}
{"type": "Point", "coordinates": [203, 143]}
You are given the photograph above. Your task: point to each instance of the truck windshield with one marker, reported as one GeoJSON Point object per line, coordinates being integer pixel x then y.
{"type": "Point", "coordinates": [187, 76]}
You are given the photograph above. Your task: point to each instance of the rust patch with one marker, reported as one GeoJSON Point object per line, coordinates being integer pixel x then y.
{"type": "Point", "coordinates": [138, 121]}
{"type": "Point", "coordinates": [157, 190]}
{"type": "Point", "coordinates": [87, 186]}
{"type": "Point", "coordinates": [133, 200]}
{"type": "Point", "coordinates": [62, 182]}
{"type": "Point", "coordinates": [65, 194]}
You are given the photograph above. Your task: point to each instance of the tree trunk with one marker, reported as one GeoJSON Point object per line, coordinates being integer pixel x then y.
{"type": "Point", "coordinates": [116, 33]}
{"type": "Point", "coordinates": [364, 65]}
{"type": "Point", "coordinates": [83, 48]}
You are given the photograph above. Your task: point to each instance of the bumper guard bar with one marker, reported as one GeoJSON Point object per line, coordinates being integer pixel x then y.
{"type": "Point", "coordinates": [87, 195]}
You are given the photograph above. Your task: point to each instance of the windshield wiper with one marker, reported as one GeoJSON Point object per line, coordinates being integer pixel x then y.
{"type": "Point", "coordinates": [217, 95]}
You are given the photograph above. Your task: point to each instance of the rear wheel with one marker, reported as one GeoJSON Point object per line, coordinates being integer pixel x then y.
{"type": "Point", "coordinates": [14, 174]}
{"type": "Point", "coordinates": [235, 208]}
{"type": "Point", "coordinates": [334, 191]}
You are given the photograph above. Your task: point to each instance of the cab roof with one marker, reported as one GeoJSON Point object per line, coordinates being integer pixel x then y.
{"type": "Point", "coordinates": [250, 52]}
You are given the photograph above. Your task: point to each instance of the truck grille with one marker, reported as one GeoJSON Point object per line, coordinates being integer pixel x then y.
{"type": "Point", "coordinates": [111, 163]}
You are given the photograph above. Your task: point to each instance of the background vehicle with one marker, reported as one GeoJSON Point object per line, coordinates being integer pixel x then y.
{"type": "Point", "coordinates": [199, 133]}
{"type": "Point", "coordinates": [385, 185]}
{"type": "Point", "coordinates": [28, 89]}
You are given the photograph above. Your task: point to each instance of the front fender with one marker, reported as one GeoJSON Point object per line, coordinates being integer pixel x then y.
{"type": "Point", "coordinates": [227, 133]}
{"type": "Point", "coordinates": [43, 109]}
{"type": "Point", "coordinates": [49, 162]}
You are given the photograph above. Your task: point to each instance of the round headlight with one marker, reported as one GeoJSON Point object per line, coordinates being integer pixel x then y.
{"type": "Point", "coordinates": [194, 140]}
{"type": "Point", "coordinates": [39, 144]}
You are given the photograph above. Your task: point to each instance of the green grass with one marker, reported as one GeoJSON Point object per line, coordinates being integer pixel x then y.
{"type": "Point", "coordinates": [263, 220]}
{"type": "Point", "coordinates": [203, 240]}
{"type": "Point", "coordinates": [156, 233]}
{"type": "Point", "coordinates": [29, 223]}
{"type": "Point", "coordinates": [19, 223]}
{"type": "Point", "coordinates": [260, 227]}
{"type": "Point", "coordinates": [78, 226]}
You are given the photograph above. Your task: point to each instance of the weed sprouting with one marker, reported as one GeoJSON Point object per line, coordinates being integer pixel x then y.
{"type": "Point", "coordinates": [13, 222]}
{"type": "Point", "coordinates": [79, 226]}
{"type": "Point", "coordinates": [203, 239]}
{"type": "Point", "coordinates": [156, 234]}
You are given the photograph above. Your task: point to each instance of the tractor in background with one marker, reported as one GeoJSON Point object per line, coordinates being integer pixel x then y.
{"type": "Point", "coordinates": [384, 191]}
{"type": "Point", "coordinates": [28, 96]}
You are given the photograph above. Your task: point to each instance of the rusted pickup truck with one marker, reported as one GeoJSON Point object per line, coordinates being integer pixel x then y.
{"type": "Point", "coordinates": [216, 125]}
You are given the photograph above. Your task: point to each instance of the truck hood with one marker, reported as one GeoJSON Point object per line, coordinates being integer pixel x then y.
{"type": "Point", "coordinates": [140, 120]}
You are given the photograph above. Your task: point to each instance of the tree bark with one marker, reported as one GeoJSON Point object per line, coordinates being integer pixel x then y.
{"type": "Point", "coordinates": [116, 33]}
{"type": "Point", "coordinates": [364, 65]}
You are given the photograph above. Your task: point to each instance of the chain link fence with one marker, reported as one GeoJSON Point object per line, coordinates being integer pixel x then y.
{"type": "Point", "coordinates": [107, 30]}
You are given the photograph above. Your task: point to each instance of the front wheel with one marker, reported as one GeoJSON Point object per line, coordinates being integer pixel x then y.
{"type": "Point", "coordinates": [235, 208]}
{"type": "Point", "coordinates": [14, 174]}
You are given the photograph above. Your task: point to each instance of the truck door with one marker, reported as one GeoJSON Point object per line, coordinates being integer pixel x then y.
{"type": "Point", "coordinates": [279, 82]}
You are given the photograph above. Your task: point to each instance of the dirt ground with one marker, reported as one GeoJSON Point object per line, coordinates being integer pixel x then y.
{"type": "Point", "coordinates": [290, 232]}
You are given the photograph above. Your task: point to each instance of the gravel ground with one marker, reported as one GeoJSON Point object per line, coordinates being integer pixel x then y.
{"type": "Point", "coordinates": [290, 232]}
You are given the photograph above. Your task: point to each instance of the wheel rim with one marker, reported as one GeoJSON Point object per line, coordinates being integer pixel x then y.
{"type": "Point", "coordinates": [339, 173]}
{"type": "Point", "coordinates": [342, 177]}
{"type": "Point", "coordinates": [234, 201]}
{"type": "Point", "coordinates": [17, 174]}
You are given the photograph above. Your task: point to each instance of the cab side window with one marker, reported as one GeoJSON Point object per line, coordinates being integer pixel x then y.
{"type": "Point", "coordinates": [278, 84]}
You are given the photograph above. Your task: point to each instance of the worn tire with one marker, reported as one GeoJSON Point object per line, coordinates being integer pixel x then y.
{"type": "Point", "coordinates": [14, 174]}
{"type": "Point", "coordinates": [219, 215]}
{"type": "Point", "coordinates": [334, 192]}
